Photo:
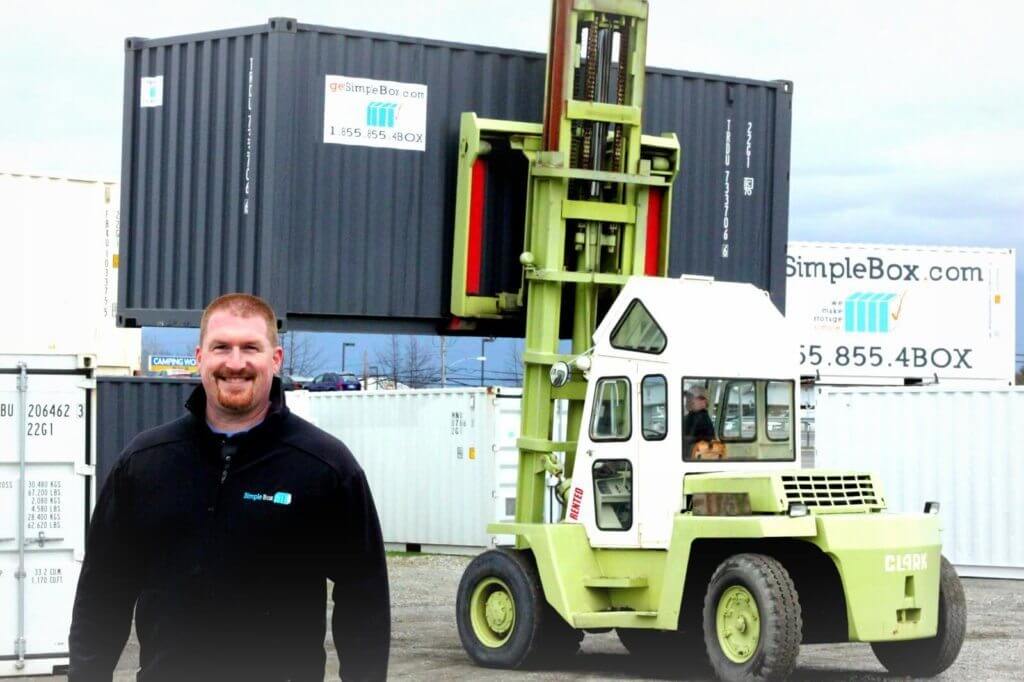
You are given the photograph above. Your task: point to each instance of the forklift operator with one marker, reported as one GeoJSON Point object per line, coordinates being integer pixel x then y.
{"type": "Point", "coordinates": [698, 425]}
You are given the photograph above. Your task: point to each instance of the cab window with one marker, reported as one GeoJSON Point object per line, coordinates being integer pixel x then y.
{"type": "Point", "coordinates": [637, 331]}
{"type": "Point", "coordinates": [611, 416]}
{"type": "Point", "coordinates": [654, 407]}
{"type": "Point", "coordinates": [779, 410]}
{"type": "Point", "coordinates": [613, 494]}
{"type": "Point", "coordinates": [740, 418]}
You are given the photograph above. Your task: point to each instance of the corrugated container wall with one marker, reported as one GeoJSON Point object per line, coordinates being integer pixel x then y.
{"type": "Point", "coordinates": [962, 448]}
{"type": "Point", "coordinates": [229, 184]}
{"type": "Point", "coordinates": [454, 448]}
{"type": "Point", "coordinates": [61, 253]}
{"type": "Point", "coordinates": [46, 445]}
{"type": "Point", "coordinates": [127, 406]}
{"type": "Point", "coordinates": [441, 463]}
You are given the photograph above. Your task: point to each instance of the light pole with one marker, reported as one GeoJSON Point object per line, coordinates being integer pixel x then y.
{"type": "Point", "coordinates": [483, 356]}
{"type": "Point", "coordinates": [344, 346]}
{"type": "Point", "coordinates": [475, 358]}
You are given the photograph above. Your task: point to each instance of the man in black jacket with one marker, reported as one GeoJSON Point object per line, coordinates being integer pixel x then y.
{"type": "Point", "coordinates": [697, 426]}
{"type": "Point", "coordinates": [220, 530]}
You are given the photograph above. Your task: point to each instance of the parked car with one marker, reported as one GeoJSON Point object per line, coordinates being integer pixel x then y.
{"type": "Point", "coordinates": [290, 383]}
{"type": "Point", "coordinates": [334, 381]}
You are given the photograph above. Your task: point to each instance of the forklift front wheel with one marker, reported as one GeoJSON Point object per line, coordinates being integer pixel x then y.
{"type": "Point", "coordinates": [752, 623]}
{"type": "Point", "coordinates": [501, 612]}
{"type": "Point", "coordinates": [492, 611]}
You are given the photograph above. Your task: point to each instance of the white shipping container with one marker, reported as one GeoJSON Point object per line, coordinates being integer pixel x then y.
{"type": "Point", "coordinates": [880, 314]}
{"type": "Point", "coordinates": [441, 463]}
{"type": "Point", "coordinates": [961, 448]}
{"type": "Point", "coordinates": [45, 486]}
{"type": "Point", "coordinates": [58, 268]}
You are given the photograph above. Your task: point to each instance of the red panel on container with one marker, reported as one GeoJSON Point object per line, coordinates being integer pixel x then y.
{"type": "Point", "coordinates": [478, 186]}
{"type": "Point", "coordinates": [651, 256]}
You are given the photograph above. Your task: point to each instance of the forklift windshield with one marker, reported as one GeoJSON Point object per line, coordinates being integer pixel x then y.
{"type": "Point", "coordinates": [737, 419]}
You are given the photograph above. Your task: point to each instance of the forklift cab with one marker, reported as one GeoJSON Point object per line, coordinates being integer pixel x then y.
{"type": "Point", "coordinates": [654, 351]}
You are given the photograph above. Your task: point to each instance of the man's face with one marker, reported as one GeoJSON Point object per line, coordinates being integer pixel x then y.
{"type": "Point", "coordinates": [237, 363]}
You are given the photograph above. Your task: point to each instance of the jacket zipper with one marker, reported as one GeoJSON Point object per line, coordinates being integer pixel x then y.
{"type": "Point", "coordinates": [226, 459]}
{"type": "Point", "coordinates": [224, 472]}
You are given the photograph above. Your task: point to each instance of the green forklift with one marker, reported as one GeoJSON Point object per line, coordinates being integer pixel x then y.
{"type": "Point", "coordinates": [689, 527]}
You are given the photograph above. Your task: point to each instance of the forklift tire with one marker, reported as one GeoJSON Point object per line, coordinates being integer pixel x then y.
{"type": "Point", "coordinates": [929, 657]}
{"type": "Point", "coordinates": [503, 619]}
{"type": "Point", "coordinates": [752, 622]}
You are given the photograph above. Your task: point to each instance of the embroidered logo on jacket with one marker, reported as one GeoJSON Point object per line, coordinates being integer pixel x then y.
{"type": "Point", "coordinates": [276, 498]}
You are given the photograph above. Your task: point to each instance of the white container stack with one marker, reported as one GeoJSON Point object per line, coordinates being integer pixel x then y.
{"type": "Point", "coordinates": [441, 463]}
{"type": "Point", "coordinates": [962, 448]}
{"type": "Point", "coordinates": [58, 271]}
{"type": "Point", "coordinates": [45, 482]}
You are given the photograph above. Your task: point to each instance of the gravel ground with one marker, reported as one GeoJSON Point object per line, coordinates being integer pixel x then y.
{"type": "Point", "coordinates": [425, 644]}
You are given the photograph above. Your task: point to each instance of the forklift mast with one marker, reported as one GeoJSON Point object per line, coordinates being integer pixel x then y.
{"type": "Point", "coordinates": [598, 196]}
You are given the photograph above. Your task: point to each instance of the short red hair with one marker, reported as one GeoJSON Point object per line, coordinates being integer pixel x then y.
{"type": "Point", "coordinates": [243, 305]}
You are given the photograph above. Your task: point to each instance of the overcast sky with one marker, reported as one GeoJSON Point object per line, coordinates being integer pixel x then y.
{"type": "Point", "coordinates": [907, 116]}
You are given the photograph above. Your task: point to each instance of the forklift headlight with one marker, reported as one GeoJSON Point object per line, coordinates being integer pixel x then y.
{"type": "Point", "coordinates": [931, 507]}
{"type": "Point", "coordinates": [798, 509]}
{"type": "Point", "coordinates": [559, 374]}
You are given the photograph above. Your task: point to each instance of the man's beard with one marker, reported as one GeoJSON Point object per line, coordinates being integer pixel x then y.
{"type": "Point", "coordinates": [236, 401]}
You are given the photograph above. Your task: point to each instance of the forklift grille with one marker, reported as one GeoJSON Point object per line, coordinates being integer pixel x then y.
{"type": "Point", "coordinates": [831, 490]}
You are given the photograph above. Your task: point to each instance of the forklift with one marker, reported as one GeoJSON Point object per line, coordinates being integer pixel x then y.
{"type": "Point", "coordinates": [698, 546]}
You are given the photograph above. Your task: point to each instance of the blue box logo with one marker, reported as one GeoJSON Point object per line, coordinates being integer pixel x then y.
{"type": "Point", "coordinates": [282, 498]}
{"type": "Point", "coordinates": [381, 114]}
{"type": "Point", "coordinates": [866, 312]}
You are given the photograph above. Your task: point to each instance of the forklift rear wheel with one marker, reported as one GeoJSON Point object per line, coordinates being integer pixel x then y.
{"type": "Point", "coordinates": [929, 657]}
{"type": "Point", "coordinates": [503, 618]}
{"type": "Point", "coordinates": [752, 623]}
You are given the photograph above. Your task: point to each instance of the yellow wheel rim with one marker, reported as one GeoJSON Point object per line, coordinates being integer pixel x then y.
{"type": "Point", "coordinates": [738, 622]}
{"type": "Point", "coordinates": [492, 612]}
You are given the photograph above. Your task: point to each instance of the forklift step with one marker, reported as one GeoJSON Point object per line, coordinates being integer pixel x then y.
{"type": "Point", "coordinates": [615, 582]}
{"type": "Point", "coordinates": [612, 619]}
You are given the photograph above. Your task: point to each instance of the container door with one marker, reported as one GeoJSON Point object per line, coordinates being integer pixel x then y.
{"type": "Point", "coordinates": [43, 432]}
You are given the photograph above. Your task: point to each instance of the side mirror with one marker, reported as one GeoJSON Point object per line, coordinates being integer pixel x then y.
{"type": "Point", "coordinates": [559, 374]}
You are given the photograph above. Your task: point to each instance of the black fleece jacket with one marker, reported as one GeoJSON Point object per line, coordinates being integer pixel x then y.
{"type": "Point", "coordinates": [223, 546]}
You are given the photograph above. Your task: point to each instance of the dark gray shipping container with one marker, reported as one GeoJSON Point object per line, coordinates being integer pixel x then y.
{"type": "Point", "coordinates": [227, 184]}
{"type": "Point", "coordinates": [127, 406]}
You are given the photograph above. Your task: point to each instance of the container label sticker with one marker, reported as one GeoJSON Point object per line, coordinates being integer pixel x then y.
{"type": "Point", "coordinates": [44, 506]}
{"type": "Point", "coordinates": [151, 91]}
{"type": "Point", "coordinates": [375, 113]}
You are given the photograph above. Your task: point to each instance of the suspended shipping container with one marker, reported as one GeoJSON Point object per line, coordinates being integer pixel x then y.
{"type": "Point", "coordinates": [316, 167]}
